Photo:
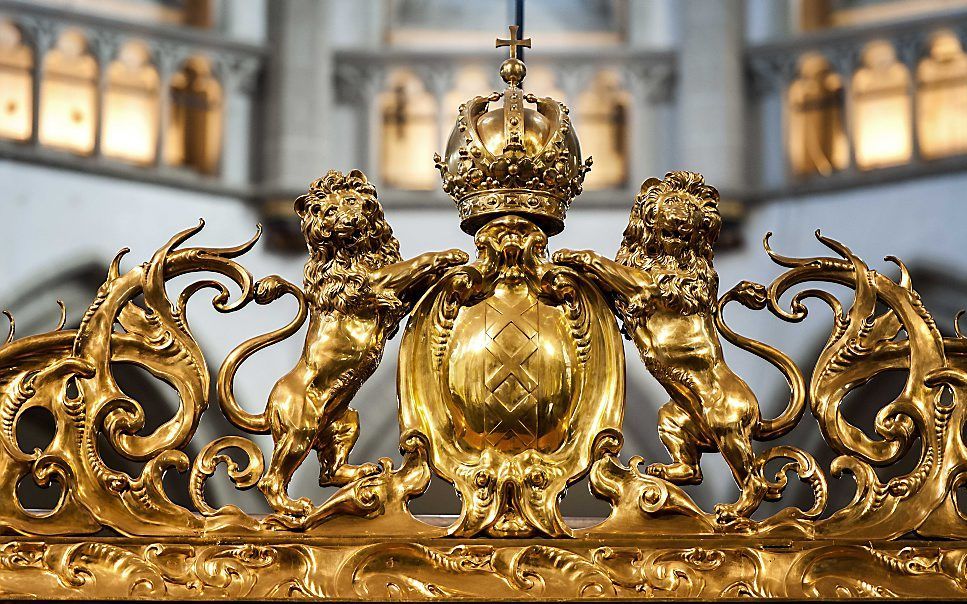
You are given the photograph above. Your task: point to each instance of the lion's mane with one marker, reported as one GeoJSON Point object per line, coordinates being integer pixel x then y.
{"type": "Point", "coordinates": [336, 275]}
{"type": "Point", "coordinates": [696, 292]}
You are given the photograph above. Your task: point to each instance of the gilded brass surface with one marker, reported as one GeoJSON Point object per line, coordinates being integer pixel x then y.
{"type": "Point", "coordinates": [478, 570]}
{"type": "Point", "coordinates": [511, 388]}
{"type": "Point", "coordinates": [523, 363]}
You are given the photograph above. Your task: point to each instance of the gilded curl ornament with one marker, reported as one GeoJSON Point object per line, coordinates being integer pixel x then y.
{"type": "Point", "coordinates": [511, 388]}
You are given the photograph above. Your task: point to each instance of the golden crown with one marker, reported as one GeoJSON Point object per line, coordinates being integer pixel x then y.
{"type": "Point", "coordinates": [511, 387]}
{"type": "Point", "coordinates": [513, 159]}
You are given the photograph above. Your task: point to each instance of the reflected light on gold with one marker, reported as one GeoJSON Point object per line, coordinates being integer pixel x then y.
{"type": "Point", "coordinates": [68, 96]}
{"type": "Point", "coordinates": [16, 61]}
{"type": "Point", "coordinates": [131, 107]}
{"type": "Point", "coordinates": [409, 134]}
{"type": "Point", "coordinates": [942, 98]}
{"type": "Point", "coordinates": [881, 104]}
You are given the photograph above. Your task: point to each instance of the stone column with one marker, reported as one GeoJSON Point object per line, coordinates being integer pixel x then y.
{"type": "Point", "coordinates": [910, 50]}
{"type": "Point", "coordinates": [240, 75]}
{"type": "Point", "coordinates": [438, 80]}
{"type": "Point", "coordinates": [767, 20]}
{"type": "Point", "coordinates": [360, 85]}
{"type": "Point", "coordinates": [846, 61]}
{"type": "Point", "coordinates": [652, 25]}
{"type": "Point", "coordinates": [771, 78]}
{"type": "Point", "coordinates": [166, 59]}
{"type": "Point", "coordinates": [712, 91]}
{"type": "Point", "coordinates": [104, 47]}
{"type": "Point", "coordinates": [44, 34]}
{"type": "Point", "coordinates": [244, 20]}
{"type": "Point", "coordinates": [300, 94]}
{"type": "Point", "coordinates": [650, 86]}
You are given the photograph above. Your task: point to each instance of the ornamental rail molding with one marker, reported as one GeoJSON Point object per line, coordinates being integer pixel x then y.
{"type": "Point", "coordinates": [511, 387]}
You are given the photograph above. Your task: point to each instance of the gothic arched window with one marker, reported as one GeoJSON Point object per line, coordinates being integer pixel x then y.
{"type": "Point", "coordinates": [942, 98]}
{"type": "Point", "coordinates": [130, 127]}
{"type": "Point", "coordinates": [195, 124]}
{"type": "Point", "coordinates": [68, 95]}
{"type": "Point", "coordinates": [16, 93]}
{"type": "Point", "coordinates": [602, 112]}
{"type": "Point", "coordinates": [881, 109]}
{"type": "Point", "coordinates": [409, 134]}
{"type": "Point", "coordinates": [816, 139]}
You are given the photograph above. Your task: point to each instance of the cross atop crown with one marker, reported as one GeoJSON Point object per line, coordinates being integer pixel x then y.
{"type": "Point", "coordinates": [513, 42]}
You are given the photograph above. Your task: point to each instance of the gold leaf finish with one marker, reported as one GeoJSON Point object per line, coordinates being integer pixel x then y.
{"type": "Point", "coordinates": [511, 387]}
{"type": "Point", "coordinates": [511, 368]}
{"type": "Point", "coordinates": [437, 570]}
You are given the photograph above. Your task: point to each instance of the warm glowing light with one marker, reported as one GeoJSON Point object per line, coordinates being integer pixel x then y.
{"type": "Point", "coordinates": [881, 105]}
{"type": "Point", "coordinates": [68, 95]}
{"type": "Point", "coordinates": [195, 129]}
{"type": "Point", "coordinates": [602, 124]}
{"type": "Point", "coordinates": [816, 138]}
{"type": "Point", "coordinates": [942, 99]}
{"type": "Point", "coordinates": [469, 81]}
{"type": "Point", "coordinates": [410, 134]}
{"type": "Point", "coordinates": [130, 125]}
{"type": "Point", "coordinates": [16, 61]}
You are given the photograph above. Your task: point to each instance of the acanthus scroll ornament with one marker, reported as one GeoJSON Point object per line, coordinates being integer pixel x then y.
{"type": "Point", "coordinates": [511, 388]}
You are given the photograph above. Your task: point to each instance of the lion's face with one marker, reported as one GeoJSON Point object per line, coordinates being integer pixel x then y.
{"type": "Point", "coordinates": [349, 218]}
{"type": "Point", "coordinates": [677, 223]}
{"type": "Point", "coordinates": [673, 226]}
{"type": "Point", "coordinates": [348, 238]}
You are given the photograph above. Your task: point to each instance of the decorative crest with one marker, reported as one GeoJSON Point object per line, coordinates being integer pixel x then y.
{"type": "Point", "coordinates": [513, 158]}
{"type": "Point", "coordinates": [511, 388]}
{"type": "Point", "coordinates": [513, 42]}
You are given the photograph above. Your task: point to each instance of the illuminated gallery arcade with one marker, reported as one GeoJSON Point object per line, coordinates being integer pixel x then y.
{"type": "Point", "coordinates": [368, 300]}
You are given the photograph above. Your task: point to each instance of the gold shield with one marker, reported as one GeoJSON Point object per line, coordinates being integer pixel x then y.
{"type": "Point", "coordinates": [511, 367]}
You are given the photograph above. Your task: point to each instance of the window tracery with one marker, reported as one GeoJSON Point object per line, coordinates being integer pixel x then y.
{"type": "Point", "coordinates": [130, 127]}
{"type": "Point", "coordinates": [68, 95]}
{"type": "Point", "coordinates": [942, 98]}
{"type": "Point", "coordinates": [881, 108]}
{"type": "Point", "coordinates": [16, 62]}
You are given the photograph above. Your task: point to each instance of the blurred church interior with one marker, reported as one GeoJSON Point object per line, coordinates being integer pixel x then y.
{"type": "Point", "coordinates": [123, 121]}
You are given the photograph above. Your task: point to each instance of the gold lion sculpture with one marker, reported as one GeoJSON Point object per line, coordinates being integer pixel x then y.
{"type": "Point", "coordinates": [357, 289]}
{"type": "Point", "coordinates": [665, 288]}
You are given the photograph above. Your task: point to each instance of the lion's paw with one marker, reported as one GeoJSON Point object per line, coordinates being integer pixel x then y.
{"type": "Point", "coordinates": [348, 473]}
{"type": "Point", "coordinates": [572, 257]}
{"type": "Point", "coordinates": [455, 257]}
{"type": "Point", "coordinates": [677, 473]}
{"type": "Point", "coordinates": [729, 514]}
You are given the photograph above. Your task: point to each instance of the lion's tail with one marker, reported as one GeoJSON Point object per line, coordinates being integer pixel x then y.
{"type": "Point", "coordinates": [266, 290]}
{"type": "Point", "coordinates": [749, 295]}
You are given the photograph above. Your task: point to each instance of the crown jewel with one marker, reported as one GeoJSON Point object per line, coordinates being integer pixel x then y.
{"type": "Point", "coordinates": [513, 159]}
